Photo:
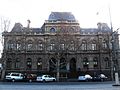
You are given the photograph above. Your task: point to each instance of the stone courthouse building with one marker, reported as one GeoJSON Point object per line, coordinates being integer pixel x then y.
{"type": "Point", "coordinates": [60, 45]}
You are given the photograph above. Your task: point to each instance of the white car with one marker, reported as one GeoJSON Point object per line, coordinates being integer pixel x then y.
{"type": "Point", "coordinates": [86, 77]}
{"type": "Point", "coordinates": [14, 76]}
{"type": "Point", "coordinates": [45, 78]}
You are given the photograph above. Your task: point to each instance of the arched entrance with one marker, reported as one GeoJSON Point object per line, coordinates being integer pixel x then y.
{"type": "Point", "coordinates": [52, 65]}
{"type": "Point", "coordinates": [73, 73]}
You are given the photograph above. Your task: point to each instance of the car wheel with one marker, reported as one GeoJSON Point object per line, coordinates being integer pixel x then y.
{"type": "Point", "coordinates": [53, 80]}
{"type": "Point", "coordinates": [13, 80]}
{"type": "Point", "coordinates": [44, 80]}
{"type": "Point", "coordinates": [86, 80]}
{"type": "Point", "coordinates": [30, 80]}
{"type": "Point", "coordinates": [102, 80]}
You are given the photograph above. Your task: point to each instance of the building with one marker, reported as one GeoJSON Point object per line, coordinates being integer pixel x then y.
{"type": "Point", "coordinates": [60, 45]}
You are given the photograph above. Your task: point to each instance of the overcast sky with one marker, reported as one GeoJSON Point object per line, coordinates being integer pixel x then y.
{"type": "Point", "coordinates": [38, 11]}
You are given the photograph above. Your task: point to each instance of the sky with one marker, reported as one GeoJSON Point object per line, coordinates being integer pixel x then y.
{"type": "Point", "coordinates": [87, 12]}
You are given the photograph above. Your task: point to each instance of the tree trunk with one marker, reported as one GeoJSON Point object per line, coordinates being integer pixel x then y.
{"type": "Point", "coordinates": [58, 70]}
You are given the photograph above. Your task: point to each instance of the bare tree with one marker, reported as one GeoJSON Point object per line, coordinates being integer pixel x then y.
{"type": "Point", "coordinates": [5, 24]}
{"type": "Point", "coordinates": [64, 43]}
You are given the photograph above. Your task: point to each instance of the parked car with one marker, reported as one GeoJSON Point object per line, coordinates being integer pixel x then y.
{"type": "Point", "coordinates": [100, 77]}
{"type": "Point", "coordinates": [14, 77]}
{"type": "Point", "coordinates": [45, 78]}
{"type": "Point", "coordinates": [30, 77]}
{"type": "Point", "coordinates": [86, 77]}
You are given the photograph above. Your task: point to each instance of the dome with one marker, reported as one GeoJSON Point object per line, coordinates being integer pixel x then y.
{"type": "Point", "coordinates": [61, 16]}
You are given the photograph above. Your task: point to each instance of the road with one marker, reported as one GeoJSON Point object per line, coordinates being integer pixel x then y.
{"type": "Point", "coordinates": [58, 86]}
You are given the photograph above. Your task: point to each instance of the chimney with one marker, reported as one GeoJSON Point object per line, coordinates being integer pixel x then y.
{"type": "Point", "coordinates": [28, 25]}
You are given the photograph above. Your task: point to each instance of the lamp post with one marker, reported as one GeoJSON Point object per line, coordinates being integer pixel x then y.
{"type": "Point", "coordinates": [114, 58]}
{"type": "Point", "coordinates": [114, 50]}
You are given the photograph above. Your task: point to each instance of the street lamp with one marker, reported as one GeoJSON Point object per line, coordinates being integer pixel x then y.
{"type": "Point", "coordinates": [114, 58]}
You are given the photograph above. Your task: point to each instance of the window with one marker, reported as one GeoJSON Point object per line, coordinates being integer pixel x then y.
{"type": "Point", "coordinates": [84, 45]}
{"type": "Point", "coordinates": [10, 45]}
{"type": "Point", "coordinates": [62, 46]}
{"type": "Point", "coordinates": [104, 44]}
{"type": "Point", "coordinates": [52, 46]}
{"type": "Point", "coordinates": [107, 63]}
{"type": "Point", "coordinates": [39, 64]}
{"type": "Point", "coordinates": [52, 64]}
{"type": "Point", "coordinates": [85, 63]}
{"type": "Point", "coordinates": [52, 30]}
{"type": "Point", "coordinates": [95, 62]}
{"type": "Point", "coordinates": [9, 63]}
{"type": "Point", "coordinates": [18, 46]}
{"type": "Point", "coordinates": [40, 46]}
{"type": "Point", "coordinates": [63, 64]}
{"type": "Point", "coordinates": [17, 63]}
{"type": "Point", "coordinates": [72, 46]}
{"type": "Point", "coordinates": [93, 46]}
{"type": "Point", "coordinates": [29, 45]}
{"type": "Point", "coordinates": [29, 63]}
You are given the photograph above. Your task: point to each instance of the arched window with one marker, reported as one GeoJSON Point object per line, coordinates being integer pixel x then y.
{"type": "Point", "coordinates": [29, 63]}
{"type": "Point", "coordinates": [17, 63]}
{"type": "Point", "coordinates": [52, 30]}
{"type": "Point", "coordinates": [85, 63]}
{"type": "Point", "coordinates": [62, 46]}
{"type": "Point", "coordinates": [63, 64]}
{"type": "Point", "coordinates": [51, 45]}
{"type": "Point", "coordinates": [93, 45]}
{"type": "Point", "coordinates": [10, 45]}
{"type": "Point", "coordinates": [29, 45]}
{"type": "Point", "coordinates": [39, 64]}
{"type": "Point", "coordinates": [95, 62]}
{"type": "Point", "coordinates": [104, 44]}
{"type": "Point", "coordinates": [18, 45]}
{"type": "Point", "coordinates": [40, 45]}
{"type": "Point", "coordinates": [72, 46]}
{"type": "Point", "coordinates": [9, 63]}
{"type": "Point", "coordinates": [84, 45]}
{"type": "Point", "coordinates": [52, 64]}
{"type": "Point", "coordinates": [73, 65]}
{"type": "Point", "coordinates": [107, 62]}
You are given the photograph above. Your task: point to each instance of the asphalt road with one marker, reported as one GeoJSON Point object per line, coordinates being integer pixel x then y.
{"type": "Point", "coordinates": [58, 86]}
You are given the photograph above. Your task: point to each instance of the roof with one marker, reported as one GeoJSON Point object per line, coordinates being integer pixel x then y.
{"type": "Point", "coordinates": [89, 30]}
{"type": "Point", "coordinates": [60, 16]}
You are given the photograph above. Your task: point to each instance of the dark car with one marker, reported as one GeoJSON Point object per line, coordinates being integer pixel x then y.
{"type": "Point", "coordinates": [30, 77]}
{"type": "Point", "coordinates": [100, 77]}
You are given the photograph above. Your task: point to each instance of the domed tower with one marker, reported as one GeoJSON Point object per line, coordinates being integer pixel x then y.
{"type": "Point", "coordinates": [62, 22]}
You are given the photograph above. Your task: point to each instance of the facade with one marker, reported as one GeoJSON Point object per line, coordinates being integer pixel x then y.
{"type": "Point", "coordinates": [60, 45]}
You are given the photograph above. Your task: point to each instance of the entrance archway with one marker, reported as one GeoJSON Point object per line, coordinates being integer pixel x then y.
{"type": "Point", "coordinates": [73, 73]}
{"type": "Point", "coordinates": [72, 65]}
